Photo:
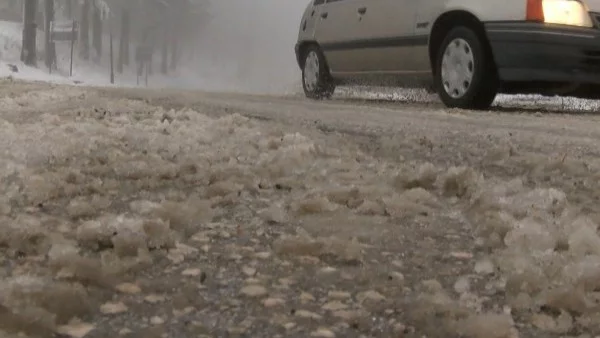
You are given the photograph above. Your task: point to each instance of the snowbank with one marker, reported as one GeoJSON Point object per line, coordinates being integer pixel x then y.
{"type": "Point", "coordinates": [11, 38]}
{"type": "Point", "coordinates": [10, 55]}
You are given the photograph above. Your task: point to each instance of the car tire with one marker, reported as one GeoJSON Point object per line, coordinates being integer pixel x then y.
{"type": "Point", "coordinates": [316, 79]}
{"type": "Point", "coordinates": [466, 76]}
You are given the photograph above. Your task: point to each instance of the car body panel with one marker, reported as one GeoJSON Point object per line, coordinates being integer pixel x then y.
{"type": "Point", "coordinates": [386, 35]}
{"type": "Point", "coordinates": [505, 10]}
{"type": "Point", "coordinates": [309, 20]}
{"type": "Point", "coordinates": [336, 32]}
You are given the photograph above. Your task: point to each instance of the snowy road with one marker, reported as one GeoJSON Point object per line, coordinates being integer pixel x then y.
{"type": "Point", "coordinates": [546, 128]}
{"type": "Point", "coordinates": [183, 214]}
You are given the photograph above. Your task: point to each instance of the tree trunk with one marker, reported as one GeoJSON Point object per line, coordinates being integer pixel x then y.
{"type": "Point", "coordinates": [124, 41]}
{"type": "Point", "coordinates": [97, 31]}
{"type": "Point", "coordinates": [50, 47]}
{"type": "Point", "coordinates": [28, 50]}
{"type": "Point", "coordinates": [84, 30]}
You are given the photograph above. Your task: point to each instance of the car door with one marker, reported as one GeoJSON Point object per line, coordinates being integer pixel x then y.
{"type": "Point", "coordinates": [336, 34]}
{"type": "Point", "coordinates": [387, 33]}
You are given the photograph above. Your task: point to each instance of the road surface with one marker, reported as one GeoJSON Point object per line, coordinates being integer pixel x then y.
{"type": "Point", "coordinates": [147, 213]}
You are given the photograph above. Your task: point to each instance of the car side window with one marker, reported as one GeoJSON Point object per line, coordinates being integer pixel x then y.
{"type": "Point", "coordinates": [318, 2]}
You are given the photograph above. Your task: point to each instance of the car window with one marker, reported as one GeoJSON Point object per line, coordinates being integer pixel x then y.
{"type": "Point", "coordinates": [318, 2]}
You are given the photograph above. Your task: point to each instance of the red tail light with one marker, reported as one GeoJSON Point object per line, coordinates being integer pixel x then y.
{"type": "Point", "coordinates": [535, 10]}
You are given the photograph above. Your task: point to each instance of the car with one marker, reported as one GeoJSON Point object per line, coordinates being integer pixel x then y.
{"type": "Point", "coordinates": [467, 51]}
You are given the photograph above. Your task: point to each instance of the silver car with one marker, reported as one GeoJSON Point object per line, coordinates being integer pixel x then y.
{"type": "Point", "coordinates": [465, 50]}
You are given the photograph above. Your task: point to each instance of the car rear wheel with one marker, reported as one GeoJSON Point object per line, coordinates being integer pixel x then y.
{"type": "Point", "coordinates": [316, 80]}
{"type": "Point", "coordinates": [466, 76]}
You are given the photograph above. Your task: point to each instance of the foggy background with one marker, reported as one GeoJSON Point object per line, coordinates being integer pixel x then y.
{"type": "Point", "coordinates": [224, 45]}
{"type": "Point", "coordinates": [249, 46]}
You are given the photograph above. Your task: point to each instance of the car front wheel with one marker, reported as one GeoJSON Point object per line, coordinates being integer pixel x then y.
{"type": "Point", "coordinates": [316, 80]}
{"type": "Point", "coordinates": [466, 76]}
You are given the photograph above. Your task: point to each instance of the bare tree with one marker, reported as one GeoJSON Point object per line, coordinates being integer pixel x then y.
{"type": "Point", "coordinates": [28, 49]}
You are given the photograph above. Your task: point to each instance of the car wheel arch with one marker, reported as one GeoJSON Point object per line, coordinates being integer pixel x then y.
{"type": "Point", "coordinates": [448, 20]}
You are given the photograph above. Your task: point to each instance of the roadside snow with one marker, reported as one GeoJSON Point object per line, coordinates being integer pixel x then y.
{"type": "Point", "coordinates": [11, 38]}
{"type": "Point", "coordinates": [10, 54]}
{"type": "Point", "coordinates": [84, 72]}
{"type": "Point", "coordinates": [193, 75]}
{"type": "Point", "coordinates": [18, 70]}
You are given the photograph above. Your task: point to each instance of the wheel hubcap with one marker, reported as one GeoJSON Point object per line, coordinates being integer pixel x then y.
{"type": "Point", "coordinates": [458, 65]}
{"type": "Point", "coordinates": [311, 71]}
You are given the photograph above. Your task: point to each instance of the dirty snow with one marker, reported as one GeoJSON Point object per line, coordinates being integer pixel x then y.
{"type": "Point", "coordinates": [118, 216]}
{"type": "Point", "coordinates": [100, 193]}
